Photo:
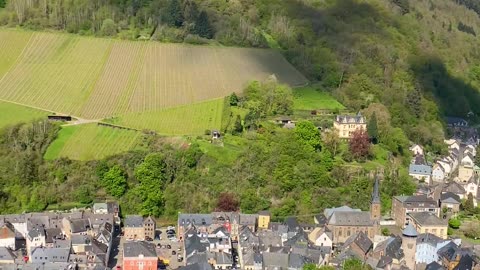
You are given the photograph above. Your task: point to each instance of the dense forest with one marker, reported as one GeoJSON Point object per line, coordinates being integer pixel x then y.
{"type": "Point", "coordinates": [408, 64]}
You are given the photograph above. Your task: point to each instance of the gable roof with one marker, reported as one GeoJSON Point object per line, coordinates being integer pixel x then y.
{"type": "Point", "coordinates": [454, 187]}
{"type": "Point", "coordinates": [350, 219]}
{"type": "Point", "coordinates": [429, 238]}
{"type": "Point", "coordinates": [79, 225]}
{"type": "Point", "coordinates": [450, 251]}
{"type": "Point", "coordinates": [421, 169]}
{"type": "Point", "coordinates": [149, 220]}
{"type": "Point", "coordinates": [329, 211]}
{"type": "Point", "coordinates": [427, 219]}
{"type": "Point", "coordinates": [37, 231]}
{"type": "Point", "coordinates": [135, 249]}
{"type": "Point", "coordinates": [6, 254]}
{"type": "Point", "coordinates": [466, 263]}
{"type": "Point", "coordinates": [133, 221]}
{"type": "Point", "coordinates": [7, 231]}
{"type": "Point", "coordinates": [450, 197]}
{"type": "Point", "coordinates": [361, 240]}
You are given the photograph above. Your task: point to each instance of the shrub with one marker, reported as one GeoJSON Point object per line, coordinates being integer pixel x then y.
{"type": "Point", "coordinates": [454, 223]}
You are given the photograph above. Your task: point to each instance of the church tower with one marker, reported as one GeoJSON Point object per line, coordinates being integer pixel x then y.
{"type": "Point", "coordinates": [375, 213]}
{"type": "Point", "coordinates": [409, 245]}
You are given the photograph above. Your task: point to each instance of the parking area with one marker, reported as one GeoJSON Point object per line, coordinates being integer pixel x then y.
{"type": "Point", "coordinates": [168, 250]}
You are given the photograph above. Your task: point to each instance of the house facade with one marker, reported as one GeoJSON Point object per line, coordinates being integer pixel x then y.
{"type": "Point", "coordinates": [134, 229]}
{"type": "Point", "coordinates": [139, 256]}
{"type": "Point", "coordinates": [428, 222]}
{"type": "Point", "coordinates": [7, 236]}
{"type": "Point", "coordinates": [402, 205]}
{"type": "Point", "coordinates": [345, 125]}
{"type": "Point", "coordinates": [150, 226]}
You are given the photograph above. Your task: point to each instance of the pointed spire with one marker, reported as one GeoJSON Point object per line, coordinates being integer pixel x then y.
{"type": "Point", "coordinates": [376, 191]}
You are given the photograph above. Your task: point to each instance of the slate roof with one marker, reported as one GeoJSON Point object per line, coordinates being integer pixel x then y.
{"type": "Point", "coordinates": [449, 251]}
{"type": "Point", "coordinates": [297, 261]}
{"type": "Point", "coordinates": [466, 263]}
{"type": "Point", "coordinates": [410, 231]}
{"type": "Point", "coordinates": [272, 260]}
{"type": "Point", "coordinates": [391, 247]}
{"type": "Point", "coordinates": [198, 219]}
{"type": "Point", "coordinates": [427, 219]}
{"type": "Point", "coordinates": [54, 255]}
{"type": "Point", "coordinates": [321, 219]}
{"type": "Point", "coordinates": [300, 240]}
{"type": "Point", "coordinates": [329, 211]}
{"type": "Point", "coordinates": [454, 187]}
{"type": "Point", "coordinates": [197, 266]}
{"type": "Point", "coordinates": [6, 254]}
{"type": "Point", "coordinates": [292, 224]}
{"type": "Point", "coordinates": [135, 249]}
{"type": "Point", "coordinates": [420, 169]}
{"type": "Point", "coordinates": [354, 218]}
{"type": "Point", "coordinates": [449, 197]}
{"type": "Point", "coordinates": [434, 266]}
{"type": "Point", "coordinates": [384, 261]}
{"type": "Point", "coordinates": [376, 191]}
{"type": "Point", "coordinates": [223, 258]}
{"type": "Point", "coordinates": [52, 233]}
{"type": "Point", "coordinates": [133, 221]}
{"type": "Point", "coordinates": [428, 238]}
{"type": "Point", "coordinates": [361, 240]}
{"type": "Point", "coordinates": [37, 231]}
{"type": "Point", "coordinates": [352, 119]}
{"type": "Point", "coordinates": [417, 201]}
{"type": "Point", "coordinates": [193, 244]}
{"type": "Point", "coordinates": [149, 220]}
{"type": "Point", "coordinates": [79, 225]}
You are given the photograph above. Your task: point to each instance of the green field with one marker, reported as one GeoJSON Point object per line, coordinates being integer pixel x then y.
{"type": "Point", "coordinates": [96, 78]}
{"type": "Point", "coordinates": [91, 141]}
{"type": "Point", "coordinates": [184, 120]}
{"type": "Point", "coordinates": [309, 98]}
{"type": "Point", "coordinates": [13, 114]}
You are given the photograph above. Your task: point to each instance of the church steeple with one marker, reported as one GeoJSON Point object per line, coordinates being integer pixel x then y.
{"type": "Point", "coordinates": [376, 192]}
{"type": "Point", "coordinates": [375, 213]}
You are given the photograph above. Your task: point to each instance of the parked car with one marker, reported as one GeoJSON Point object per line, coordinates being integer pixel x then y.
{"type": "Point", "coordinates": [148, 238]}
{"type": "Point", "coordinates": [159, 245]}
{"type": "Point", "coordinates": [168, 247]}
{"type": "Point", "coordinates": [118, 267]}
{"type": "Point", "coordinates": [173, 252]}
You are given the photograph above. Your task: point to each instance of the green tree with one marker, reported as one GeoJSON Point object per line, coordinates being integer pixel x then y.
{"type": "Point", "coordinates": [372, 128]}
{"type": "Point", "coordinates": [83, 194]}
{"type": "Point", "coordinates": [115, 182]}
{"type": "Point", "coordinates": [109, 28]}
{"type": "Point", "coordinates": [174, 13]}
{"type": "Point", "coordinates": [331, 141]}
{"type": "Point", "coordinates": [237, 128]}
{"type": "Point", "coordinates": [151, 174]}
{"type": "Point", "coordinates": [307, 134]}
{"type": "Point", "coordinates": [203, 27]}
{"type": "Point", "coordinates": [251, 202]}
{"type": "Point", "coordinates": [354, 264]}
{"type": "Point", "coordinates": [454, 223]}
{"type": "Point", "coordinates": [233, 99]}
{"type": "Point", "coordinates": [2, 3]}
{"type": "Point", "coordinates": [468, 205]}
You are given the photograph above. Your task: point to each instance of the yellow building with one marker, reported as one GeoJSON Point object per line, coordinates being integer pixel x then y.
{"type": "Point", "coordinates": [427, 222]}
{"type": "Point", "coordinates": [345, 125]}
{"type": "Point", "coordinates": [263, 219]}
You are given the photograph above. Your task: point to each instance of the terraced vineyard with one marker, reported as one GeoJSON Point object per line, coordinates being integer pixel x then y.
{"type": "Point", "coordinates": [188, 119]}
{"type": "Point", "coordinates": [100, 78]}
{"type": "Point", "coordinates": [90, 141]}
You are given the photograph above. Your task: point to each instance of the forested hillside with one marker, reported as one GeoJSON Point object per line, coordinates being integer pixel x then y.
{"type": "Point", "coordinates": [418, 58]}
{"type": "Point", "coordinates": [409, 63]}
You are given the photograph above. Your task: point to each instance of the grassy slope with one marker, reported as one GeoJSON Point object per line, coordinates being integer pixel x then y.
{"type": "Point", "coordinates": [12, 44]}
{"type": "Point", "coordinates": [13, 114]}
{"type": "Point", "coordinates": [90, 141]}
{"type": "Point", "coordinates": [184, 120]}
{"type": "Point", "coordinates": [309, 98]}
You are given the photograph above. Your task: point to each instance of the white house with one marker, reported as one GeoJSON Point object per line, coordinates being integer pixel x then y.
{"type": "Point", "coordinates": [447, 167]}
{"type": "Point", "coordinates": [7, 236]}
{"type": "Point", "coordinates": [35, 238]}
{"type": "Point", "coordinates": [470, 149]}
{"type": "Point", "coordinates": [416, 150]}
{"type": "Point", "coordinates": [321, 237]}
{"type": "Point", "coordinates": [438, 173]}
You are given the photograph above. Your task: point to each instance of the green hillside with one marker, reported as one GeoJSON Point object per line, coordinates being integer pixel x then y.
{"type": "Point", "coordinates": [91, 141]}
{"type": "Point", "coordinates": [13, 114]}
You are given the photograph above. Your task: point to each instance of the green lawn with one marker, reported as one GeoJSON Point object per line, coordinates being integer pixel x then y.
{"type": "Point", "coordinates": [12, 114]}
{"type": "Point", "coordinates": [184, 120]}
{"type": "Point", "coordinates": [91, 141]}
{"type": "Point", "coordinates": [310, 98]}
{"type": "Point", "coordinates": [226, 154]}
